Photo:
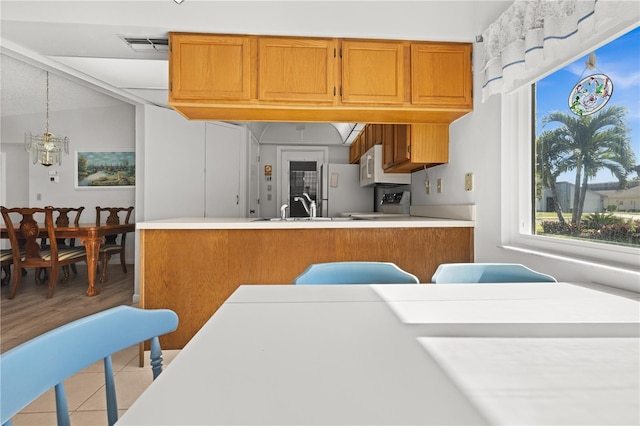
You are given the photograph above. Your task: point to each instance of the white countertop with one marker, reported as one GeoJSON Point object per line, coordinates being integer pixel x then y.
{"type": "Point", "coordinates": [253, 223]}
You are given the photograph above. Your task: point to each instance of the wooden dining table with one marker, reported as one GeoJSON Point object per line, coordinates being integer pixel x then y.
{"type": "Point", "coordinates": [91, 237]}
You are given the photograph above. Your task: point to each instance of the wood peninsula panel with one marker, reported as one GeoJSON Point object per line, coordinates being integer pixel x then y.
{"type": "Point", "coordinates": [194, 282]}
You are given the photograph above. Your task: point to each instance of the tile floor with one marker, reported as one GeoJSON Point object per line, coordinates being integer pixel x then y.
{"type": "Point", "coordinates": [85, 391]}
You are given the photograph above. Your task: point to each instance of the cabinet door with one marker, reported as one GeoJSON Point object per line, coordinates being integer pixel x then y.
{"type": "Point", "coordinates": [209, 67]}
{"type": "Point", "coordinates": [402, 145]}
{"type": "Point", "coordinates": [441, 74]}
{"type": "Point", "coordinates": [373, 72]}
{"type": "Point", "coordinates": [297, 70]}
{"type": "Point", "coordinates": [388, 144]}
{"type": "Point", "coordinates": [354, 150]}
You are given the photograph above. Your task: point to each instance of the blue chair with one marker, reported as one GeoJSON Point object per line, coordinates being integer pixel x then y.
{"type": "Point", "coordinates": [355, 273]}
{"type": "Point", "coordinates": [487, 273]}
{"type": "Point", "coordinates": [29, 370]}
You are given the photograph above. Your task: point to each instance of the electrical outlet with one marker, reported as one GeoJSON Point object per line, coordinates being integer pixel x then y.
{"type": "Point", "coordinates": [468, 182]}
{"type": "Point", "coordinates": [439, 186]}
{"type": "Point", "coordinates": [427, 187]}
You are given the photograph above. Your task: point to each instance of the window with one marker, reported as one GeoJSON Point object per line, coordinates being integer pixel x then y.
{"type": "Point", "coordinates": [586, 148]}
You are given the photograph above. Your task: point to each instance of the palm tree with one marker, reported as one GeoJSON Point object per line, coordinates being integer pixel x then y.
{"type": "Point", "coordinates": [595, 142]}
{"type": "Point", "coordinates": [552, 159]}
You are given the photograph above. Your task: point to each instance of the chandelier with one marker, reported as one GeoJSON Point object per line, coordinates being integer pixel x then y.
{"type": "Point", "coordinates": [46, 148]}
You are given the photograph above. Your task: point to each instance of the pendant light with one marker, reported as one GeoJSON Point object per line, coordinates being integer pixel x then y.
{"type": "Point", "coordinates": [591, 93]}
{"type": "Point", "coordinates": [46, 148]}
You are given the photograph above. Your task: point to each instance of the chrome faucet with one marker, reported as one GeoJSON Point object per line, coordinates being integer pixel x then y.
{"type": "Point", "coordinates": [311, 207]}
{"type": "Point", "coordinates": [283, 211]}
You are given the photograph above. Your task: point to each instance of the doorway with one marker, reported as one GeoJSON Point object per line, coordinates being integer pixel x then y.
{"type": "Point", "coordinates": [299, 172]}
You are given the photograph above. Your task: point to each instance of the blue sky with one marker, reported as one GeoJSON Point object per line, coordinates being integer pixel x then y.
{"type": "Point", "coordinates": [620, 60]}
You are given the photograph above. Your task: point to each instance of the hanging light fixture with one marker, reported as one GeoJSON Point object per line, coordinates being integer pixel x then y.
{"type": "Point", "coordinates": [46, 148]}
{"type": "Point", "coordinates": [591, 93]}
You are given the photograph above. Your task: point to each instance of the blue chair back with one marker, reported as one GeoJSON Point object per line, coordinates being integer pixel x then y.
{"type": "Point", "coordinates": [355, 273]}
{"type": "Point", "coordinates": [487, 273]}
{"type": "Point", "coordinates": [29, 370]}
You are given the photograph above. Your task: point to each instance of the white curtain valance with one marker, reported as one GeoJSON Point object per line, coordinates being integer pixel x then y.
{"type": "Point", "coordinates": [533, 36]}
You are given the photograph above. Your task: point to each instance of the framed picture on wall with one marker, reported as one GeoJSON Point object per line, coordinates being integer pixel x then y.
{"type": "Point", "coordinates": [107, 169]}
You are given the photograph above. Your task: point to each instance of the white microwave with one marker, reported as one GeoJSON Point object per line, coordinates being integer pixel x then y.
{"type": "Point", "coordinates": [371, 171]}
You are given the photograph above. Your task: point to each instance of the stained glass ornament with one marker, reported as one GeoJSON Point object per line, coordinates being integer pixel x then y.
{"type": "Point", "coordinates": [590, 94]}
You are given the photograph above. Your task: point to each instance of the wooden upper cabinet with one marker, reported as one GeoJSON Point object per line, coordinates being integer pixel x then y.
{"type": "Point", "coordinates": [227, 77]}
{"type": "Point", "coordinates": [297, 69]}
{"type": "Point", "coordinates": [207, 67]}
{"type": "Point", "coordinates": [388, 144]}
{"type": "Point", "coordinates": [355, 150]}
{"type": "Point", "coordinates": [416, 146]}
{"type": "Point", "coordinates": [441, 74]}
{"type": "Point", "coordinates": [373, 72]}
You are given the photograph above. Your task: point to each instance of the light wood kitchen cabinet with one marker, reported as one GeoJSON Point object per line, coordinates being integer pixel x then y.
{"type": "Point", "coordinates": [373, 72]}
{"type": "Point", "coordinates": [272, 78]}
{"type": "Point", "coordinates": [355, 150]}
{"type": "Point", "coordinates": [373, 134]}
{"type": "Point", "coordinates": [416, 146]}
{"type": "Point", "coordinates": [441, 74]}
{"type": "Point", "coordinates": [388, 144]}
{"type": "Point", "coordinates": [294, 69]}
{"type": "Point", "coordinates": [209, 67]}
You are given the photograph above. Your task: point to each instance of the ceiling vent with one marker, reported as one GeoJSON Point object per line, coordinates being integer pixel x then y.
{"type": "Point", "coordinates": [147, 44]}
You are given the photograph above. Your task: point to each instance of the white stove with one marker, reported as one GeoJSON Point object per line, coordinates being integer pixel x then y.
{"type": "Point", "coordinates": [393, 205]}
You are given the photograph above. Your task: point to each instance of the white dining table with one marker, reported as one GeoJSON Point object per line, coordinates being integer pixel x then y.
{"type": "Point", "coordinates": [405, 355]}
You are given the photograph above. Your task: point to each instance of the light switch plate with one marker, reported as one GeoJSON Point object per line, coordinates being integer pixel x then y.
{"type": "Point", "coordinates": [439, 186]}
{"type": "Point", "coordinates": [427, 187]}
{"type": "Point", "coordinates": [468, 182]}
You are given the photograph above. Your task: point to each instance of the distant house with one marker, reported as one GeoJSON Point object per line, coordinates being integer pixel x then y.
{"type": "Point", "coordinates": [624, 200]}
{"type": "Point", "coordinates": [593, 202]}
{"type": "Point", "coordinates": [597, 198]}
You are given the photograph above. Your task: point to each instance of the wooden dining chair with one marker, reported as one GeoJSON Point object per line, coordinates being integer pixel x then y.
{"type": "Point", "coordinates": [470, 273]}
{"type": "Point", "coordinates": [113, 244]}
{"type": "Point", "coordinates": [355, 273]}
{"type": "Point", "coordinates": [29, 253]}
{"type": "Point", "coordinates": [62, 220]}
{"type": "Point", "coordinates": [42, 363]}
{"type": "Point", "coordinates": [6, 260]}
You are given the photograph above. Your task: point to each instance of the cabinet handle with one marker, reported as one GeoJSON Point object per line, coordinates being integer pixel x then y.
{"type": "Point", "coordinates": [237, 199]}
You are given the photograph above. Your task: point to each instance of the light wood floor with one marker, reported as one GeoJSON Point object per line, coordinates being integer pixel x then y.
{"type": "Point", "coordinates": [30, 313]}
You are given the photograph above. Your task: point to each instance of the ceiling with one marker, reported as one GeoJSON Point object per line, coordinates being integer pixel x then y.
{"type": "Point", "coordinates": [82, 41]}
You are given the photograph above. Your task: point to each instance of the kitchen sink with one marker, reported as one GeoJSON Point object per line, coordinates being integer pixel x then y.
{"type": "Point", "coordinates": [300, 219]}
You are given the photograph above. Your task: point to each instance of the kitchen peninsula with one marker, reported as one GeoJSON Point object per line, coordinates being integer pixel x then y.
{"type": "Point", "coordinates": [192, 265]}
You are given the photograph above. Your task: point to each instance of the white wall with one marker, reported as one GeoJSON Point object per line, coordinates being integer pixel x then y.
{"type": "Point", "coordinates": [174, 160]}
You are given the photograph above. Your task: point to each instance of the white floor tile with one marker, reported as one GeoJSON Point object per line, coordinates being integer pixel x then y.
{"type": "Point", "coordinates": [85, 391]}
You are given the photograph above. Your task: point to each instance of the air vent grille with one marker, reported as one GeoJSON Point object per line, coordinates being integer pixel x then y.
{"type": "Point", "coordinates": [147, 44]}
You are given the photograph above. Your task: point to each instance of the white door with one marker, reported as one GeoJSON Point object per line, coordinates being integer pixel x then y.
{"type": "Point", "coordinates": [287, 154]}
{"type": "Point", "coordinates": [225, 148]}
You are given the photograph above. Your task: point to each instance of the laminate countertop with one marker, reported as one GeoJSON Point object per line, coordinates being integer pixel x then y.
{"type": "Point", "coordinates": [444, 216]}
{"type": "Point", "coordinates": [253, 223]}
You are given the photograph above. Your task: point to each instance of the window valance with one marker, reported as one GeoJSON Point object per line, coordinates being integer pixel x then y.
{"type": "Point", "coordinates": [533, 36]}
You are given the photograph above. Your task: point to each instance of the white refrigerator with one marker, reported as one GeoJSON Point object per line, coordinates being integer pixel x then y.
{"type": "Point", "coordinates": [340, 190]}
